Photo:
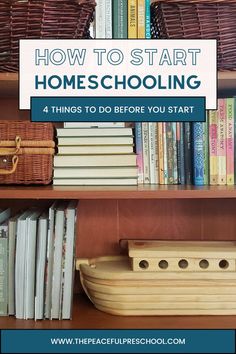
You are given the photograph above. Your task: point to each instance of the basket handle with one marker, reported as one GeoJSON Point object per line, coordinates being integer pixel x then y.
{"type": "Point", "coordinates": [7, 151]}
{"type": "Point", "coordinates": [14, 161]}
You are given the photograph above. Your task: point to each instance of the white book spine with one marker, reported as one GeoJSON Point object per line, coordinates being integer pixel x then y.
{"type": "Point", "coordinates": [57, 264]}
{"type": "Point", "coordinates": [108, 18]}
{"type": "Point", "coordinates": [100, 19]}
{"type": "Point", "coordinates": [49, 262]}
{"type": "Point", "coordinates": [69, 264]}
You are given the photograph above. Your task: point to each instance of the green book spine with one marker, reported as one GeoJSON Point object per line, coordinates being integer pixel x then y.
{"type": "Point", "coordinates": [3, 275]}
{"type": "Point", "coordinates": [120, 19]}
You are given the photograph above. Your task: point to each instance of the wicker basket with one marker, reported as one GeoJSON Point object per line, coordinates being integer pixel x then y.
{"type": "Point", "coordinates": [26, 152]}
{"type": "Point", "coordinates": [200, 19]}
{"type": "Point", "coordinates": [40, 19]}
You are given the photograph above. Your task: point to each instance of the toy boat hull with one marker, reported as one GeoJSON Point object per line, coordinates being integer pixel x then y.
{"type": "Point", "coordinates": [114, 288]}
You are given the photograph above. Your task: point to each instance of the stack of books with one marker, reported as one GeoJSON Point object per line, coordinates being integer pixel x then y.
{"type": "Point", "coordinates": [37, 262]}
{"type": "Point", "coordinates": [96, 155]}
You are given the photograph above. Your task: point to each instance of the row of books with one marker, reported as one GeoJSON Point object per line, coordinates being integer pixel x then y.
{"type": "Point", "coordinates": [122, 19]}
{"type": "Point", "coordinates": [198, 153]}
{"type": "Point", "coordinates": [37, 262]}
{"type": "Point", "coordinates": [102, 154]}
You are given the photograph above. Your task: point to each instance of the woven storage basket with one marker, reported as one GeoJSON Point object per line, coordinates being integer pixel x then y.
{"type": "Point", "coordinates": [34, 19]}
{"type": "Point", "coordinates": [200, 19]}
{"type": "Point", "coordinates": [26, 152]}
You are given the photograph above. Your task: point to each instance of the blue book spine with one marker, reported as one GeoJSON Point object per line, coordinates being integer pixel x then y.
{"type": "Point", "coordinates": [188, 153]}
{"type": "Point", "coordinates": [147, 19]}
{"type": "Point", "coordinates": [139, 151]}
{"type": "Point", "coordinates": [198, 154]}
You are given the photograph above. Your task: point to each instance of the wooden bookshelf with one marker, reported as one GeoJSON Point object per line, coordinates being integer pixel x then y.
{"type": "Point", "coordinates": [85, 316]}
{"type": "Point", "coordinates": [107, 215]}
{"type": "Point", "coordinates": [118, 192]}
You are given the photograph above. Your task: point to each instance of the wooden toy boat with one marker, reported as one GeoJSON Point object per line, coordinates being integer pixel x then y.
{"type": "Point", "coordinates": [164, 278]}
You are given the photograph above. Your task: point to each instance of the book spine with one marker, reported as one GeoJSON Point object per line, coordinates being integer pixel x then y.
{"type": "Point", "coordinates": [108, 18]}
{"type": "Point", "coordinates": [145, 140]}
{"type": "Point", "coordinates": [182, 163]}
{"type": "Point", "coordinates": [152, 152]}
{"type": "Point", "coordinates": [221, 142]}
{"type": "Point", "coordinates": [139, 151]}
{"type": "Point", "coordinates": [100, 20]}
{"type": "Point", "coordinates": [11, 266]}
{"type": "Point", "coordinates": [147, 20]}
{"type": "Point", "coordinates": [234, 140]}
{"type": "Point", "coordinates": [156, 152]}
{"type": "Point", "coordinates": [178, 151]}
{"type": "Point", "coordinates": [198, 154]}
{"type": "Point", "coordinates": [230, 141]}
{"type": "Point", "coordinates": [213, 147]}
{"type": "Point", "coordinates": [206, 151]}
{"type": "Point", "coordinates": [187, 153]}
{"type": "Point", "coordinates": [120, 19]}
{"type": "Point", "coordinates": [132, 19]}
{"type": "Point", "coordinates": [141, 18]}
{"type": "Point", "coordinates": [161, 153]}
{"type": "Point", "coordinates": [3, 275]}
{"type": "Point", "coordinates": [174, 144]}
{"type": "Point", "coordinates": [170, 153]}
{"type": "Point", "coordinates": [165, 153]}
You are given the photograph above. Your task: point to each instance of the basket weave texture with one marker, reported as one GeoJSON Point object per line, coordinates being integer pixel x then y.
{"type": "Point", "coordinates": [55, 19]}
{"type": "Point", "coordinates": [199, 19]}
{"type": "Point", "coordinates": [34, 157]}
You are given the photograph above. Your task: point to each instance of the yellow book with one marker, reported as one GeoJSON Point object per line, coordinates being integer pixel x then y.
{"type": "Point", "coordinates": [213, 117]}
{"type": "Point", "coordinates": [230, 141]}
{"type": "Point", "coordinates": [141, 18]}
{"type": "Point", "coordinates": [132, 19]}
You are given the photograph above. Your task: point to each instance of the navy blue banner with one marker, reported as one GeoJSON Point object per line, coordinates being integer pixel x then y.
{"type": "Point", "coordinates": [118, 341]}
{"type": "Point", "coordinates": [118, 109]}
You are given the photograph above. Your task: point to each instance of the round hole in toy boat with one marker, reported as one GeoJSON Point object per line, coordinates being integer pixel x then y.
{"type": "Point", "coordinates": [143, 264]}
{"type": "Point", "coordinates": [223, 264]}
{"type": "Point", "coordinates": [163, 264]}
{"type": "Point", "coordinates": [204, 264]}
{"type": "Point", "coordinates": [183, 264]}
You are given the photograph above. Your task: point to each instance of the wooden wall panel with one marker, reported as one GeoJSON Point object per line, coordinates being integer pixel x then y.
{"type": "Point", "coordinates": [9, 110]}
{"type": "Point", "coordinates": [97, 232]}
{"type": "Point", "coordinates": [160, 219]}
{"type": "Point", "coordinates": [219, 219]}
{"type": "Point", "coordinates": [102, 224]}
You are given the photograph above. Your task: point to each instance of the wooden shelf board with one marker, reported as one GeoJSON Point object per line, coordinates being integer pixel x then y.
{"type": "Point", "coordinates": [227, 80]}
{"type": "Point", "coordinates": [86, 316]}
{"type": "Point", "coordinates": [119, 192]}
{"type": "Point", "coordinates": [9, 83]}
